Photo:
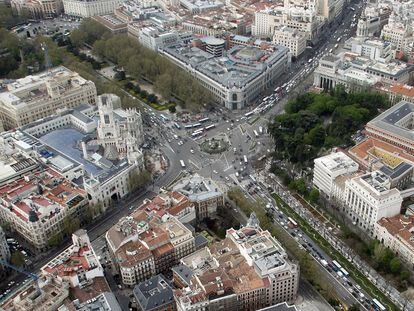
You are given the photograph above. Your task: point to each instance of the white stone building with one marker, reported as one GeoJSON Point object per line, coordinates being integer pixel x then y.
{"type": "Point", "coordinates": [83, 8]}
{"type": "Point", "coordinates": [34, 97]}
{"type": "Point", "coordinates": [328, 168]}
{"type": "Point", "coordinates": [290, 38]}
{"type": "Point", "coordinates": [368, 198]}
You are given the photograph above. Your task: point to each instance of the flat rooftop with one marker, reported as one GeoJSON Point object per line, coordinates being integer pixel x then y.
{"type": "Point", "coordinates": [336, 161]}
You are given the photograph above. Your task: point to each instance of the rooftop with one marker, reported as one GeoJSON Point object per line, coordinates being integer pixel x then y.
{"type": "Point", "coordinates": [336, 161]}
{"type": "Point", "coordinates": [153, 293]}
{"type": "Point", "coordinates": [197, 188]}
{"type": "Point", "coordinates": [400, 227]}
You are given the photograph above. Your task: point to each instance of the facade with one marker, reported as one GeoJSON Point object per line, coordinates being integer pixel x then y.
{"type": "Point", "coordinates": [204, 193]}
{"type": "Point", "coordinates": [373, 49]}
{"type": "Point", "coordinates": [38, 9]}
{"type": "Point", "coordinates": [154, 37]}
{"type": "Point", "coordinates": [154, 294]}
{"type": "Point", "coordinates": [77, 265]}
{"type": "Point", "coordinates": [328, 168]}
{"type": "Point", "coordinates": [394, 126]}
{"type": "Point", "coordinates": [37, 205]}
{"type": "Point", "coordinates": [368, 198]}
{"type": "Point", "coordinates": [397, 234]}
{"type": "Point", "coordinates": [237, 78]}
{"type": "Point", "coordinates": [248, 270]}
{"type": "Point", "coordinates": [34, 97]}
{"type": "Point", "coordinates": [290, 38]}
{"type": "Point", "coordinates": [143, 245]}
{"type": "Point", "coordinates": [112, 23]}
{"type": "Point", "coordinates": [4, 250]}
{"type": "Point", "coordinates": [397, 33]}
{"type": "Point", "coordinates": [82, 8]}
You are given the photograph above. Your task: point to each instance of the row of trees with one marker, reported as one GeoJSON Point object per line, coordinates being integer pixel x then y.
{"type": "Point", "coordinates": [141, 63]}
{"type": "Point", "coordinates": [316, 121]}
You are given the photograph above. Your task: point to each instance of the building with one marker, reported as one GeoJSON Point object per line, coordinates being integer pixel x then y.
{"type": "Point", "coordinates": [204, 193]}
{"type": "Point", "coordinates": [373, 49]}
{"type": "Point", "coordinates": [329, 167]}
{"type": "Point", "coordinates": [394, 126]}
{"type": "Point", "coordinates": [37, 9]}
{"type": "Point", "coordinates": [77, 265]}
{"type": "Point", "coordinates": [154, 294]}
{"type": "Point", "coordinates": [112, 23]}
{"type": "Point", "coordinates": [283, 306]}
{"type": "Point", "coordinates": [368, 198]}
{"type": "Point", "coordinates": [397, 234]}
{"type": "Point", "coordinates": [397, 92]}
{"type": "Point", "coordinates": [156, 37]}
{"type": "Point", "coordinates": [143, 245]}
{"type": "Point", "coordinates": [82, 8]}
{"type": "Point", "coordinates": [199, 6]}
{"type": "Point", "coordinates": [248, 270]}
{"type": "Point", "coordinates": [104, 302]}
{"type": "Point", "coordinates": [397, 33]}
{"type": "Point", "coordinates": [38, 205]}
{"type": "Point", "coordinates": [237, 78]}
{"type": "Point", "coordinates": [290, 38]}
{"type": "Point", "coordinates": [51, 296]}
{"type": "Point", "coordinates": [34, 97]}
{"type": "Point", "coordinates": [4, 251]}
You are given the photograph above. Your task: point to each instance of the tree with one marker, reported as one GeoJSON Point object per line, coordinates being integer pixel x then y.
{"type": "Point", "coordinates": [55, 240]}
{"type": "Point", "coordinates": [354, 307]}
{"type": "Point", "coordinates": [17, 259]}
{"type": "Point", "coordinates": [314, 195]}
{"type": "Point", "coordinates": [395, 265]}
{"type": "Point", "coordinates": [119, 75]}
{"type": "Point", "coordinates": [172, 109]}
{"type": "Point", "coordinates": [70, 225]}
{"type": "Point", "coordinates": [405, 275]}
{"type": "Point", "coordinates": [138, 180]}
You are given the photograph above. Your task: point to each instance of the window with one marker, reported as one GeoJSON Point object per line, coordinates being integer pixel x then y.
{"type": "Point", "coordinates": [106, 119]}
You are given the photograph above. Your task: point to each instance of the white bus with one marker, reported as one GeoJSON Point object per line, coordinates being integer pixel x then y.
{"type": "Point", "coordinates": [344, 272]}
{"type": "Point", "coordinates": [292, 222]}
{"type": "Point", "coordinates": [210, 127]}
{"type": "Point", "coordinates": [324, 263]}
{"type": "Point", "coordinates": [197, 133]}
{"type": "Point", "coordinates": [336, 265]}
{"type": "Point", "coordinates": [177, 125]}
{"type": "Point", "coordinates": [196, 124]}
{"type": "Point", "coordinates": [255, 133]}
{"type": "Point", "coordinates": [377, 305]}
{"type": "Point", "coordinates": [189, 126]}
{"type": "Point", "coordinates": [252, 178]}
{"type": "Point", "coordinates": [182, 163]}
{"type": "Point", "coordinates": [245, 159]}
{"type": "Point", "coordinates": [203, 120]}
{"type": "Point", "coordinates": [248, 114]}
{"type": "Point", "coordinates": [260, 130]}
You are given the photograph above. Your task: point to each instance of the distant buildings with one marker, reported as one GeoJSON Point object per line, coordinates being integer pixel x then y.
{"type": "Point", "coordinates": [144, 244]}
{"type": "Point", "coordinates": [394, 126]}
{"type": "Point", "coordinates": [238, 77]}
{"type": "Point", "coordinates": [37, 9]}
{"type": "Point", "coordinates": [34, 97]}
{"type": "Point", "coordinates": [81, 8]}
{"type": "Point", "coordinates": [204, 193]}
{"type": "Point", "coordinates": [397, 234]}
{"type": "Point", "coordinates": [248, 270]}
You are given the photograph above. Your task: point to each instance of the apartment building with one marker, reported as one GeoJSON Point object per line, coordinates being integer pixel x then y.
{"type": "Point", "coordinates": [82, 8]}
{"type": "Point", "coordinates": [368, 198]}
{"type": "Point", "coordinates": [204, 193]}
{"type": "Point", "coordinates": [34, 97]}
{"type": "Point", "coordinates": [394, 126]}
{"type": "Point", "coordinates": [397, 234]}
{"type": "Point", "coordinates": [37, 205]}
{"type": "Point", "coordinates": [37, 9]}
{"type": "Point", "coordinates": [143, 245]}
{"type": "Point", "coordinates": [329, 167]}
{"type": "Point", "coordinates": [248, 270]}
{"type": "Point", "coordinates": [397, 33]}
{"type": "Point", "coordinates": [290, 38]}
{"type": "Point", "coordinates": [238, 77]}
{"type": "Point", "coordinates": [4, 251]}
{"type": "Point", "coordinates": [154, 294]}
{"type": "Point", "coordinates": [77, 265]}
{"type": "Point", "coordinates": [154, 37]}
{"type": "Point", "coordinates": [373, 49]}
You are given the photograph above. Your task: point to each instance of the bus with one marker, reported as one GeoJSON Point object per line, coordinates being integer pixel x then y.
{"type": "Point", "coordinates": [336, 46]}
{"type": "Point", "coordinates": [292, 222]}
{"type": "Point", "coordinates": [339, 39]}
{"type": "Point", "coordinates": [255, 133]}
{"type": "Point", "coordinates": [164, 118]}
{"type": "Point", "coordinates": [182, 163]}
{"type": "Point", "coordinates": [196, 124]}
{"type": "Point", "coordinates": [260, 130]}
{"type": "Point", "coordinates": [336, 265]}
{"type": "Point", "coordinates": [189, 126]}
{"type": "Point", "coordinates": [177, 125]}
{"type": "Point", "coordinates": [204, 120]}
{"type": "Point", "coordinates": [245, 159]}
{"type": "Point", "coordinates": [210, 127]}
{"type": "Point", "coordinates": [278, 90]}
{"type": "Point", "coordinates": [252, 178]}
{"type": "Point", "coordinates": [248, 114]}
{"type": "Point", "coordinates": [196, 133]}
{"type": "Point", "coordinates": [344, 272]}
{"type": "Point", "coordinates": [377, 305]}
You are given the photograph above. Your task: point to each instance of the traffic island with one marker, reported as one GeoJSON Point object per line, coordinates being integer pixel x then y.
{"type": "Point", "coordinates": [215, 145]}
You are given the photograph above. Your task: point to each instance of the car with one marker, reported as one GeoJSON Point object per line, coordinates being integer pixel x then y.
{"type": "Point", "coordinates": [215, 172]}
{"type": "Point", "coordinates": [227, 178]}
{"type": "Point", "coordinates": [192, 151]}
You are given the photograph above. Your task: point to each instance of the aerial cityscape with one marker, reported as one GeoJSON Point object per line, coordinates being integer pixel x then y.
{"type": "Point", "coordinates": [196, 155]}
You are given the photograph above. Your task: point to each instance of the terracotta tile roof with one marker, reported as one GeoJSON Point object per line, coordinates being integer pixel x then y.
{"type": "Point", "coordinates": [401, 227]}
{"type": "Point", "coordinates": [132, 253]}
{"type": "Point", "coordinates": [98, 286]}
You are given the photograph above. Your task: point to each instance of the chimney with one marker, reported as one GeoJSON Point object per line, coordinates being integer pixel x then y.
{"type": "Point", "coordinates": [85, 154]}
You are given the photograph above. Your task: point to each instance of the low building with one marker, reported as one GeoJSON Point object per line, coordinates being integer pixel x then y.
{"type": "Point", "coordinates": [81, 8]}
{"type": "Point", "coordinates": [51, 296]}
{"type": "Point", "coordinates": [394, 126]}
{"type": "Point", "coordinates": [143, 245]}
{"type": "Point", "coordinates": [368, 198]}
{"type": "Point", "coordinates": [328, 168]}
{"type": "Point", "coordinates": [35, 97]}
{"type": "Point", "coordinates": [154, 294]}
{"type": "Point", "coordinates": [199, 6]}
{"type": "Point", "coordinates": [77, 265]}
{"type": "Point", "coordinates": [290, 38]}
{"type": "Point", "coordinates": [248, 270]}
{"type": "Point", "coordinates": [204, 193]}
{"type": "Point", "coordinates": [397, 234]}
{"type": "Point", "coordinates": [112, 23]}
{"type": "Point", "coordinates": [237, 78]}
{"type": "Point", "coordinates": [154, 37]}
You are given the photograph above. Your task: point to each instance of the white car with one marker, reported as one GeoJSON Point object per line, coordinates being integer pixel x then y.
{"type": "Point", "coordinates": [192, 151]}
{"type": "Point", "coordinates": [215, 172]}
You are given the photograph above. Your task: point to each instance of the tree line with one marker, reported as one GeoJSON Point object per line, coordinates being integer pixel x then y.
{"type": "Point", "coordinates": [140, 63]}
{"type": "Point", "coordinates": [313, 122]}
